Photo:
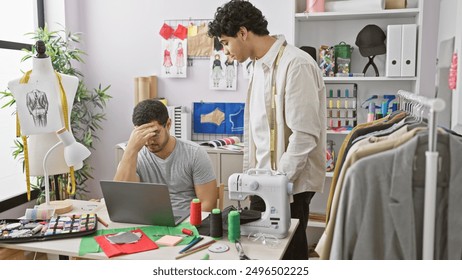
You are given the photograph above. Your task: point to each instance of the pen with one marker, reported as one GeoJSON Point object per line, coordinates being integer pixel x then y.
{"type": "Point", "coordinates": [200, 248]}
{"type": "Point", "coordinates": [102, 221]}
{"type": "Point", "coordinates": [192, 243]}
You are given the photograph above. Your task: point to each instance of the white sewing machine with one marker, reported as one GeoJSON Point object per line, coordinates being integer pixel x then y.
{"type": "Point", "coordinates": [275, 189]}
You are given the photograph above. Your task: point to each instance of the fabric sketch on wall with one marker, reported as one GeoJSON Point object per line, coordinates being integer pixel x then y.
{"type": "Point", "coordinates": [218, 118]}
{"type": "Point", "coordinates": [223, 72]}
{"type": "Point", "coordinates": [247, 68]}
{"type": "Point", "coordinates": [38, 109]}
{"type": "Point", "coordinates": [174, 58]}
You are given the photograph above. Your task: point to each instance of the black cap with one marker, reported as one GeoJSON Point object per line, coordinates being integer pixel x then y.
{"type": "Point", "coordinates": [371, 41]}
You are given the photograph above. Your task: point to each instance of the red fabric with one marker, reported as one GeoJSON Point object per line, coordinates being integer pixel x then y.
{"type": "Point", "coordinates": [166, 31]}
{"type": "Point", "coordinates": [113, 250]}
{"type": "Point", "coordinates": [181, 32]}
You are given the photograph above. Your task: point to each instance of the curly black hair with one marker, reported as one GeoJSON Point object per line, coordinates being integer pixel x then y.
{"type": "Point", "coordinates": [150, 110]}
{"type": "Point", "coordinates": [235, 14]}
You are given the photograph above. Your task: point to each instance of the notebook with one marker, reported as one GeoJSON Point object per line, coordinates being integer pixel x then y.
{"type": "Point", "coordinates": [140, 203]}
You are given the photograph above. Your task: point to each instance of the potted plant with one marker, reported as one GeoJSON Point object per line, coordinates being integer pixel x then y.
{"type": "Point", "coordinates": [87, 110]}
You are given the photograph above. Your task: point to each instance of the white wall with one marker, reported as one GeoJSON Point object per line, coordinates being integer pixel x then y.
{"type": "Point", "coordinates": [122, 42]}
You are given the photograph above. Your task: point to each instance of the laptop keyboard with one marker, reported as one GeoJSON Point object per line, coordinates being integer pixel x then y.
{"type": "Point", "coordinates": [177, 218]}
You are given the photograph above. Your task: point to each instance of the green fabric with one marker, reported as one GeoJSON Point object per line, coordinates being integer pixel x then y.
{"type": "Point", "coordinates": [88, 243]}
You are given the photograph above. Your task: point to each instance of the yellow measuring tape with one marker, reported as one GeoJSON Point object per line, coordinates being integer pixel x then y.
{"type": "Point", "coordinates": [273, 122]}
{"type": "Point", "coordinates": [71, 183]}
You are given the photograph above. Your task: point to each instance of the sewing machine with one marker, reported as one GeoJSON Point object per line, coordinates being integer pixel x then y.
{"type": "Point", "coordinates": [274, 188]}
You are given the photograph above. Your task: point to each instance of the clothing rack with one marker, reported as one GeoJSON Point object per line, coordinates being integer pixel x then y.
{"type": "Point", "coordinates": [411, 102]}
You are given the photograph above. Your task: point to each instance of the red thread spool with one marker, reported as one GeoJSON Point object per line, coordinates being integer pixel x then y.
{"type": "Point", "coordinates": [195, 212]}
{"type": "Point", "coordinates": [187, 231]}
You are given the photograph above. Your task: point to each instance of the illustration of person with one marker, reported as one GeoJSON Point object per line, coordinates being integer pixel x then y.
{"type": "Point", "coordinates": [37, 104]}
{"type": "Point", "coordinates": [230, 72]}
{"type": "Point", "coordinates": [167, 59]}
{"type": "Point", "coordinates": [217, 71]}
{"type": "Point", "coordinates": [179, 58]}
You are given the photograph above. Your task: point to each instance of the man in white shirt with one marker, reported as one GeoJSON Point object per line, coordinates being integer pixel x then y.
{"type": "Point", "coordinates": [286, 98]}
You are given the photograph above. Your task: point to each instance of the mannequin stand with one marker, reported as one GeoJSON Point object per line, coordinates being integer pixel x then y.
{"type": "Point", "coordinates": [371, 63]}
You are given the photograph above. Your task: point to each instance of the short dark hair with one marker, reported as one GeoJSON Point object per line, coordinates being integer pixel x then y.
{"type": "Point", "coordinates": [148, 111]}
{"type": "Point", "coordinates": [235, 14]}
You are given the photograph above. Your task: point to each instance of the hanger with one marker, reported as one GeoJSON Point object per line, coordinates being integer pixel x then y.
{"type": "Point", "coordinates": [418, 119]}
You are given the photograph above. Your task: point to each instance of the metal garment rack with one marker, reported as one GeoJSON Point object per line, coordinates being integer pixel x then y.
{"type": "Point", "coordinates": [415, 104]}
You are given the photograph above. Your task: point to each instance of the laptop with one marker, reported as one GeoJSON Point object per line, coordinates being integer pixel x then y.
{"type": "Point", "coordinates": [140, 203]}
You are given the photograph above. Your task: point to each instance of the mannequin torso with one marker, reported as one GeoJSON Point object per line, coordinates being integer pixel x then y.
{"type": "Point", "coordinates": [43, 88]}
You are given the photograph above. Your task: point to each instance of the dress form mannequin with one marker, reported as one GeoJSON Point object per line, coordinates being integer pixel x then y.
{"type": "Point", "coordinates": [44, 79]}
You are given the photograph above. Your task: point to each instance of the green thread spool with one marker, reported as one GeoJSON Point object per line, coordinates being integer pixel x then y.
{"type": "Point", "coordinates": [234, 226]}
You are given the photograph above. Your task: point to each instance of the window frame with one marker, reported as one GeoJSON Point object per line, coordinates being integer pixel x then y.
{"type": "Point", "coordinates": [20, 199]}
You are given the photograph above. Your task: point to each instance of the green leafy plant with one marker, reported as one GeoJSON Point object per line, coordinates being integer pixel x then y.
{"type": "Point", "coordinates": [87, 111]}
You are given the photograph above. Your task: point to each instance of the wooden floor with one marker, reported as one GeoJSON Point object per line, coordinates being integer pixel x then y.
{"type": "Point", "coordinates": [12, 254]}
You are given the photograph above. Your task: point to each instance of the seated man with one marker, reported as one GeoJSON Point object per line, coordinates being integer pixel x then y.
{"type": "Point", "coordinates": [153, 155]}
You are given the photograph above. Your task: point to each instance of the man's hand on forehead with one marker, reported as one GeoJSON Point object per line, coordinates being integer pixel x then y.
{"type": "Point", "coordinates": [149, 128]}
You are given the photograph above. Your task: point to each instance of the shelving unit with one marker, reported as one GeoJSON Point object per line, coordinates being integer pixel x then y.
{"type": "Point", "coordinates": [367, 79]}
{"type": "Point", "coordinates": [331, 28]}
{"type": "Point", "coordinates": [333, 132]}
{"type": "Point", "coordinates": [397, 13]}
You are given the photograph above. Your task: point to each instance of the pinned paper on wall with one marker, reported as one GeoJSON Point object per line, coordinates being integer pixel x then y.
{"type": "Point", "coordinates": [223, 72]}
{"type": "Point", "coordinates": [192, 29]}
{"type": "Point", "coordinates": [200, 45]}
{"type": "Point", "coordinates": [174, 59]}
{"type": "Point", "coordinates": [219, 118]}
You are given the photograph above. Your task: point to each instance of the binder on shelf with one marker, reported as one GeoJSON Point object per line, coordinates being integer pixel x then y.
{"type": "Point", "coordinates": [393, 62]}
{"type": "Point", "coordinates": [408, 50]}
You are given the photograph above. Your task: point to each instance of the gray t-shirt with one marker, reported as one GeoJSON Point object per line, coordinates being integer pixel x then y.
{"type": "Point", "coordinates": [188, 165]}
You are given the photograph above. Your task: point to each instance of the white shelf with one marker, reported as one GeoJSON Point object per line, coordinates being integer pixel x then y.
{"type": "Point", "coordinates": [396, 13]}
{"type": "Point", "coordinates": [312, 223]}
{"type": "Point", "coordinates": [368, 79]}
{"type": "Point", "coordinates": [338, 132]}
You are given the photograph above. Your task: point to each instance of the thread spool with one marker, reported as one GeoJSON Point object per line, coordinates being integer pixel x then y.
{"type": "Point", "coordinates": [234, 226]}
{"type": "Point", "coordinates": [195, 213]}
{"type": "Point", "coordinates": [39, 214]}
{"type": "Point", "coordinates": [187, 232]}
{"type": "Point", "coordinates": [216, 224]}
